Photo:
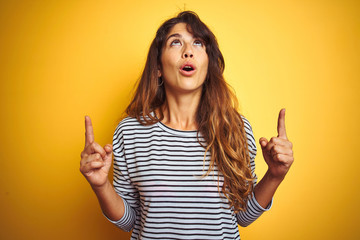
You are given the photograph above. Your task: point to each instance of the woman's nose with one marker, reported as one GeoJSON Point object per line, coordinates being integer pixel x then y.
{"type": "Point", "coordinates": [188, 55]}
{"type": "Point", "coordinates": [188, 52]}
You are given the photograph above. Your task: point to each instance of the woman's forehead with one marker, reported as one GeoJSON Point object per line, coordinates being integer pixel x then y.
{"type": "Point", "coordinates": [178, 29]}
{"type": "Point", "coordinates": [183, 30]}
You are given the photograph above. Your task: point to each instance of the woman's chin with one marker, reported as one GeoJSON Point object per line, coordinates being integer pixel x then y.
{"type": "Point", "coordinates": [187, 88]}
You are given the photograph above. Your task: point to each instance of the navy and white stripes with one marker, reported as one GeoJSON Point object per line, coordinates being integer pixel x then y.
{"type": "Point", "coordinates": [158, 173]}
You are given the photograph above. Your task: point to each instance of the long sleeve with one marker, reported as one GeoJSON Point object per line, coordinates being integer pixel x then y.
{"type": "Point", "coordinates": [253, 210]}
{"type": "Point", "coordinates": [123, 185]}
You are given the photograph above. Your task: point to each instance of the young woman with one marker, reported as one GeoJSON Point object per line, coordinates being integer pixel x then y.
{"type": "Point", "coordinates": [184, 157]}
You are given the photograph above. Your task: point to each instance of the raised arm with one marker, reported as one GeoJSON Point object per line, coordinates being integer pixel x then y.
{"type": "Point", "coordinates": [278, 155]}
{"type": "Point", "coordinates": [95, 166]}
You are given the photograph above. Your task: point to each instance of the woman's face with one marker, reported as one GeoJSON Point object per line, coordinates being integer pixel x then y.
{"type": "Point", "coordinates": [184, 61]}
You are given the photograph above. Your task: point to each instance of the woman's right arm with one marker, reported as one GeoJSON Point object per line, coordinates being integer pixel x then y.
{"type": "Point", "coordinates": [95, 165]}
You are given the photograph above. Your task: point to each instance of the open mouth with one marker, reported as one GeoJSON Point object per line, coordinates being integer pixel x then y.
{"type": "Point", "coordinates": [188, 68]}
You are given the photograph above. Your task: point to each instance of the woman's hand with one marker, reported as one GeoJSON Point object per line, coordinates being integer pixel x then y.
{"type": "Point", "coordinates": [95, 160]}
{"type": "Point", "coordinates": [278, 152]}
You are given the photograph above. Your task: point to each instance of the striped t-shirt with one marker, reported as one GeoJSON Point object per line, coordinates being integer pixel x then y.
{"type": "Point", "coordinates": [158, 174]}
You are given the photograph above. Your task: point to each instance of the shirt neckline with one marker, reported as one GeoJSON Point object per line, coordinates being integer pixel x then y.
{"type": "Point", "coordinates": [192, 133]}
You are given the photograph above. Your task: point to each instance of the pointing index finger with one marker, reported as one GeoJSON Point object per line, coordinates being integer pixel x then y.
{"type": "Point", "coordinates": [281, 124]}
{"type": "Point", "coordinates": [89, 133]}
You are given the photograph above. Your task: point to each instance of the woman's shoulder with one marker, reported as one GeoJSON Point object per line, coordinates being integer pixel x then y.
{"type": "Point", "coordinates": [128, 123]}
{"type": "Point", "coordinates": [249, 134]}
{"type": "Point", "coordinates": [132, 124]}
{"type": "Point", "coordinates": [125, 127]}
{"type": "Point", "coordinates": [247, 124]}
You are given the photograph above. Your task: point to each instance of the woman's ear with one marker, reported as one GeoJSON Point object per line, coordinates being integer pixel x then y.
{"type": "Point", "coordinates": [159, 73]}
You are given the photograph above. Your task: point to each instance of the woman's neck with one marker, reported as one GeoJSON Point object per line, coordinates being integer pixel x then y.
{"type": "Point", "coordinates": [180, 111]}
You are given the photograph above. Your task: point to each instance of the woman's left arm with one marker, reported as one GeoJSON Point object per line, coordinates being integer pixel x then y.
{"type": "Point", "coordinates": [278, 156]}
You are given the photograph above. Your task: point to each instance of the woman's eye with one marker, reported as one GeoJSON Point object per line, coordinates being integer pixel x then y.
{"type": "Point", "coordinates": [175, 43]}
{"type": "Point", "coordinates": [198, 43]}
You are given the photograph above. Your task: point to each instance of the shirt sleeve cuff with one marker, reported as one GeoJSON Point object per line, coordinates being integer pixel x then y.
{"type": "Point", "coordinates": [252, 212]}
{"type": "Point", "coordinates": [258, 207]}
{"type": "Point", "coordinates": [126, 222]}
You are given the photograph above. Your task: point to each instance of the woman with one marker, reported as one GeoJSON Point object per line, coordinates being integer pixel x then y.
{"type": "Point", "coordinates": [184, 157]}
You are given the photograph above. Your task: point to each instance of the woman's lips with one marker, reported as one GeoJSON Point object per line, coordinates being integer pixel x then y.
{"type": "Point", "coordinates": [187, 69]}
{"type": "Point", "coordinates": [187, 73]}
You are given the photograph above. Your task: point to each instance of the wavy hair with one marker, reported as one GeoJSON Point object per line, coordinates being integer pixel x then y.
{"type": "Point", "coordinates": [219, 122]}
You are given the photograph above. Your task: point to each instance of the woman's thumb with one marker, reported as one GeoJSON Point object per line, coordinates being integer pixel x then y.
{"type": "Point", "coordinates": [263, 142]}
{"type": "Point", "coordinates": [108, 148]}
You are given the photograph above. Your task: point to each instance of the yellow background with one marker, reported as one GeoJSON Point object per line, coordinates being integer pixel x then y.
{"type": "Point", "coordinates": [61, 60]}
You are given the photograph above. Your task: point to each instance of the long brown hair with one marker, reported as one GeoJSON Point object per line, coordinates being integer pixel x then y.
{"type": "Point", "coordinates": [219, 122]}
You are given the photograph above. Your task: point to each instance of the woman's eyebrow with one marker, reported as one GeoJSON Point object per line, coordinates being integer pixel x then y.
{"type": "Point", "coordinates": [174, 35]}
